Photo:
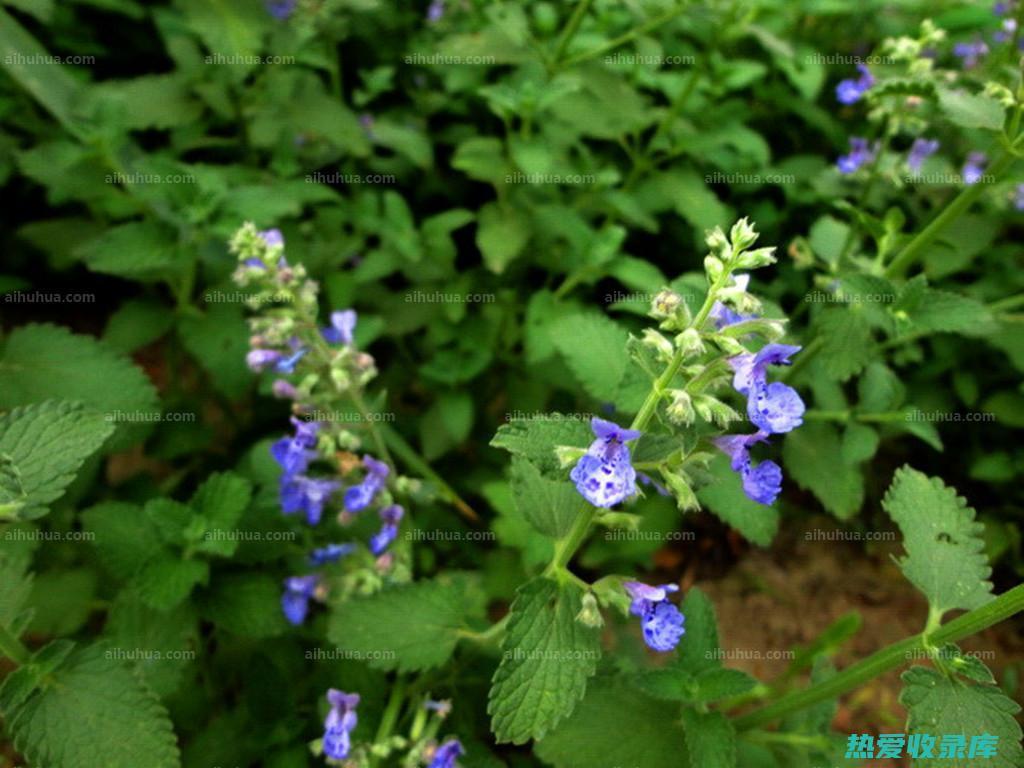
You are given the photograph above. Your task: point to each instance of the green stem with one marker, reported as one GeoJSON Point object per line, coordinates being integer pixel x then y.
{"type": "Point", "coordinates": [614, 43]}
{"type": "Point", "coordinates": [1010, 302]}
{"type": "Point", "coordinates": [570, 29]}
{"type": "Point", "coordinates": [11, 647]}
{"type": "Point", "coordinates": [890, 657]}
{"type": "Point", "coordinates": [390, 716]}
{"type": "Point", "coordinates": [913, 250]}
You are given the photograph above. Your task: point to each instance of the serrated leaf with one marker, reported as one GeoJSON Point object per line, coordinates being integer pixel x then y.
{"type": "Point", "coordinates": [410, 627]}
{"type": "Point", "coordinates": [126, 538]}
{"type": "Point", "coordinates": [937, 705]}
{"type": "Point", "coordinates": [48, 361]}
{"type": "Point", "coordinates": [246, 604]}
{"type": "Point", "coordinates": [91, 711]}
{"type": "Point", "coordinates": [218, 339]}
{"type": "Point", "coordinates": [814, 456]}
{"type": "Point", "coordinates": [945, 312]}
{"type": "Point", "coordinates": [614, 726]}
{"type": "Point", "coordinates": [847, 345]}
{"type": "Point", "coordinates": [725, 497]}
{"type": "Point", "coordinates": [47, 444]}
{"type": "Point", "coordinates": [710, 739]}
{"type": "Point", "coordinates": [551, 506]}
{"type": "Point", "coordinates": [167, 582]}
{"type": "Point", "coordinates": [220, 503]}
{"type": "Point", "coordinates": [969, 110]}
{"type": "Point", "coordinates": [945, 551]}
{"type": "Point", "coordinates": [536, 439]}
{"type": "Point", "coordinates": [594, 348]}
{"type": "Point", "coordinates": [501, 234]}
{"type": "Point", "coordinates": [547, 657]}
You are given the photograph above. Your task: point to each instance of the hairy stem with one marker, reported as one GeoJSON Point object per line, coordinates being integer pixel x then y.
{"type": "Point", "coordinates": [890, 657]}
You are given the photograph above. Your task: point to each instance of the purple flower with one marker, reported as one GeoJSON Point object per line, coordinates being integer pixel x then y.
{"type": "Point", "coordinates": [1002, 8]}
{"type": "Point", "coordinates": [1009, 27]}
{"type": "Point", "coordinates": [974, 168]}
{"type": "Point", "coordinates": [280, 9]}
{"type": "Point", "coordinates": [284, 390]}
{"type": "Point", "coordinates": [773, 408]}
{"type": "Point", "coordinates": [1018, 200]}
{"type": "Point", "coordinates": [851, 91]}
{"type": "Point", "coordinates": [604, 475]}
{"type": "Point", "coordinates": [434, 14]}
{"type": "Point", "coordinates": [261, 359]}
{"type": "Point", "coordinates": [390, 516]}
{"type": "Point", "coordinates": [648, 480]}
{"type": "Point", "coordinates": [447, 754]}
{"type": "Point", "coordinates": [762, 483]}
{"type": "Point", "coordinates": [287, 364]}
{"type": "Point", "coordinates": [331, 553]}
{"type": "Point", "coordinates": [295, 600]}
{"type": "Point", "coordinates": [339, 723]}
{"type": "Point", "coordinates": [660, 621]}
{"type": "Point", "coordinates": [342, 326]}
{"type": "Point", "coordinates": [306, 494]}
{"type": "Point", "coordinates": [295, 453]}
{"type": "Point", "coordinates": [860, 153]}
{"type": "Point", "coordinates": [970, 53]}
{"type": "Point", "coordinates": [273, 237]}
{"type": "Point", "coordinates": [360, 496]}
{"type": "Point", "coordinates": [721, 315]}
{"type": "Point", "coordinates": [920, 151]}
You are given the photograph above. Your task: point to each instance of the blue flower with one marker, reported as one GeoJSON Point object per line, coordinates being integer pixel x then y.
{"type": "Point", "coordinates": [390, 516]}
{"type": "Point", "coordinates": [660, 621]}
{"type": "Point", "coordinates": [721, 315]}
{"type": "Point", "coordinates": [287, 364]}
{"type": "Point", "coordinates": [339, 723]}
{"type": "Point", "coordinates": [361, 496]}
{"type": "Point", "coordinates": [604, 475]}
{"type": "Point", "coordinates": [261, 359]}
{"type": "Point", "coordinates": [773, 408]}
{"type": "Point", "coordinates": [273, 237]}
{"type": "Point", "coordinates": [343, 325]}
{"type": "Point", "coordinates": [295, 600]}
{"type": "Point", "coordinates": [920, 151]}
{"type": "Point", "coordinates": [284, 389]}
{"type": "Point", "coordinates": [306, 494]}
{"type": "Point", "coordinates": [970, 53]}
{"type": "Point", "coordinates": [974, 168]}
{"type": "Point", "coordinates": [1009, 27]}
{"type": "Point", "coordinates": [295, 453]}
{"type": "Point", "coordinates": [331, 553]}
{"type": "Point", "coordinates": [761, 483]}
{"type": "Point", "coordinates": [447, 754]}
{"type": "Point", "coordinates": [436, 11]}
{"type": "Point", "coordinates": [851, 91]}
{"type": "Point", "coordinates": [860, 153]}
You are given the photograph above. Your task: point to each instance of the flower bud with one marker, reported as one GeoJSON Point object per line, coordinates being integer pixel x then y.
{"type": "Point", "coordinates": [680, 410]}
{"type": "Point", "coordinates": [590, 613]}
{"type": "Point", "coordinates": [665, 304]}
{"type": "Point", "coordinates": [716, 240]}
{"type": "Point", "coordinates": [743, 235]}
{"type": "Point", "coordinates": [685, 498]}
{"type": "Point", "coordinates": [714, 410]}
{"type": "Point", "coordinates": [690, 343]}
{"type": "Point", "coordinates": [713, 268]}
{"type": "Point", "coordinates": [658, 343]}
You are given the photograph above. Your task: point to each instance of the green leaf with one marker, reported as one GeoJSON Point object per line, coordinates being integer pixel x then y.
{"type": "Point", "coordinates": [167, 582]}
{"type": "Point", "coordinates": [140, 250]}
{"type": "Point", "coordinates": [135, 324]}
{"type": "Point", "coordinates": [90, 711]}
{"type": "Point", "coordinates": [536, 439]}
{"type": "Point", "coordinates": [219, 339]}
{"type": "Point", "coordinates": [47, 444]}
{"type": "Point", "coordinates": [245, 604]}
{"type": "Point", "coordinates": [61, 601]}
{"type": "Point", "coordinates": [127, 540]}
{"type": "Point", "coordinates": [410, 627]}
{"type": "Point", "coordinates": [828, 237]}
{"type": "Point", "coordinates": [547, 657]}
{"type": "Point", "coordinates": [482, 158]}
{"type": "Point", "coordinates": [551, 506]}
{"type": "Point", "coordinates": [725, 497]}
{"type": "Point", "coordinates": [969, 110]}
{"type": "Point", "coordinates": [938, 705]}
{"type": "Point", "coordinates": [613, 727]}
{"type": "Point", "coordinates": [220, 502]}
{"type": "Point", "coordinates": [501, 234]}
{"type": "Point", "coordinates": [15, 578]}
{"type": "Point", "coordinates": [813, 455]}
{"type": "Point", "coordinates": [48, 361]}
{"type": "Point", "coordinates": [847, 345]}
{"type": "Point", "coordinates": [945, 552]}
{"type": "Point", "coordinates": [594, 348]}
{"type": "Point", "coordinates": [944, 312]}
{"type": "Point", "coordinates": [710, 739]}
